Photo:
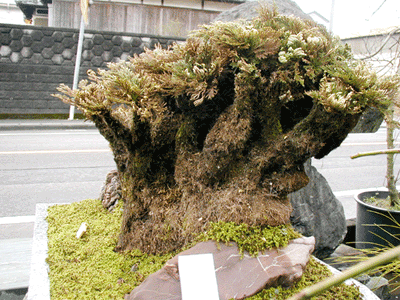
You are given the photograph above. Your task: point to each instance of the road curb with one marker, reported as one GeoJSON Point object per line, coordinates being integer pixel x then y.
{"type": "Point", "coordinates": [48, 125]}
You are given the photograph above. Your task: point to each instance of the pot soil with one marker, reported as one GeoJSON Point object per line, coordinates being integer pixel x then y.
{"type": "Point", "coordinates": [376, 226]}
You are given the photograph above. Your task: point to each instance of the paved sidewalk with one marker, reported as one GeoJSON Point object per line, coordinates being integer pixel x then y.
{"type": "Point", "coordinates": [15, 263]}
{"type": "Point", "coordinates": [40, 124]}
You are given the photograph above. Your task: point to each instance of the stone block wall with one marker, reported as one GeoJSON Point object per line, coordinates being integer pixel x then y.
{"type": "Point", "coordinates": [34, 61]}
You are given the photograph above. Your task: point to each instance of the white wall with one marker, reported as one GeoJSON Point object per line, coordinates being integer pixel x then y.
{"type": "Point", "coordinates": [10, 13]}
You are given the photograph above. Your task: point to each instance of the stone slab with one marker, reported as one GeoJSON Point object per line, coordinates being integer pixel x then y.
{"type": "Point", "coordinates": [238, 275]}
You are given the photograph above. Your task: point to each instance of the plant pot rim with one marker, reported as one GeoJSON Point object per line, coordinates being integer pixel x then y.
{"type": "Point", "coordinates": [377, 191]}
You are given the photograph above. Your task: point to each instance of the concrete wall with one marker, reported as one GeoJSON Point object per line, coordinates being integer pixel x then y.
{"type": "Point", "coordinates": [34, 61]}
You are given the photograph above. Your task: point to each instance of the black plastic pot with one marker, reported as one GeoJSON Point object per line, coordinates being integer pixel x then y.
{"type": "Point", "coordinates": [375, 226]}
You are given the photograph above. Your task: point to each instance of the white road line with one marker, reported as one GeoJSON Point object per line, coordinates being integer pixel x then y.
{"type": "Point", "coordinates": [66, 132]}
{"type": "Point", "coordinates": [364, 144]}
{"type": "Point", "coordinates": [17, 220]}
{"type": "Point", "coordinates": [54, 151]}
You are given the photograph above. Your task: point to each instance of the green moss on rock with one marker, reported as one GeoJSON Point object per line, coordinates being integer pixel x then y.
{"type": "Point", "coordinates": [252, 239]}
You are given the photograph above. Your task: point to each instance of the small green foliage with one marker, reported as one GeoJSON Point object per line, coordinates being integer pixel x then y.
{"type": "Point", "coordinates": [248, 238]}
{"type": "Point", "coordinates": [314, 272]}
{"type": "Point", "coordinates": [89, 268]}
{"type": "Point", "coordinates": [382, 203]}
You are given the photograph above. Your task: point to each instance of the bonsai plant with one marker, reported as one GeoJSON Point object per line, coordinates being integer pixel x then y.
{"type": "Point", "coordinates": [218, 129]}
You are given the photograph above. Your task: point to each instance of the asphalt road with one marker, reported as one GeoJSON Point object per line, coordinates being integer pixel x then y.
{"type": "Point", "coordinates": [346, 174]}
{"type": "Point", "coordinates": [50, 166]}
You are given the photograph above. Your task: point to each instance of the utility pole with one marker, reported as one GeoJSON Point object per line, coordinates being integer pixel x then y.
{"type": "Point", "coordinates": [84, 19]}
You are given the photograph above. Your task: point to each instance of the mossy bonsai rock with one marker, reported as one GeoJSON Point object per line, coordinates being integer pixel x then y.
{"type": "Point", "coordinates": [218, 128]}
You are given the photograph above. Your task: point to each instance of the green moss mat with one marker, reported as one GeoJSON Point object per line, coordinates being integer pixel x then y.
{"type": "Point", "coordinates": [88, 268]}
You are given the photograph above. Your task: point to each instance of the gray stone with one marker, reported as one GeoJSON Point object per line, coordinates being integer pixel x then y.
{"type": "Point", "coordinates": [341, 259]}
{"type": "Point", "coordinates": [238, 276]}
{"type": "Point", "coordinates": [5, 51]}
{"type": "Point", "coordinates": [27, 40]}
{"type": "Point", "coordinates": [47, 53]}
{"type": "Point", "coordinates": [380, 287]}
{"type": "Point", "coordinates": [37, 35]}
{"type": "Point", "coordinates": [369, 122]}
{"type": "Point", "coordinates": [16, 46]}
{"type": "Point", "coordinates": [16, 33]}
{"type": "Point", "coordinates": [37, 58]}
{"type": "Point", "coordinates": [107, 56]}
{"type": "Point", "coordinates": [97, 61]}
{"type": "Point", "coordinates": [364, 278]}
{"type": "Point", "coordinates": [98, 39]}
{"type": "Point", "coordinates": [317, 212]}
{"type": "Point", "coordinates": [26, 52]}
{"type": "Point", "coordinates": [136, 41]}
{"type": "Point", "coordinates": [15, 57]}
{"type": "Point", "coordinates": [68, 54]}
{"type": "Point", "coordinates": [111, 190]}
{"type": "Point", "coordinates": [117, 40]}
{"type": "Point", "coordinates": [57, 59]}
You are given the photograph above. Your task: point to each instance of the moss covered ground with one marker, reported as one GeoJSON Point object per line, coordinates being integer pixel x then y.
{"type": "Point", "coordinates": [89, 268]}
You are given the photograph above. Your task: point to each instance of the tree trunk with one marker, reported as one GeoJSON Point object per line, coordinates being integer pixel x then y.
{"type": "Point", "coordinates": [391, 181]}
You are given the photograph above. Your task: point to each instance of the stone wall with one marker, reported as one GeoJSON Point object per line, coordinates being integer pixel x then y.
{"type": "Point", "coordinates": [35, 60]}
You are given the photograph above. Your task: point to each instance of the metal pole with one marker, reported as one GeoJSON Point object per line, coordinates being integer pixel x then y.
{"type": "Point", "coordinates": [77, 65]}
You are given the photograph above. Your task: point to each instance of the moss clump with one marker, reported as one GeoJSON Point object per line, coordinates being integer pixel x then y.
{"type": "Point", "coordinates": [314, 272]}
{"type": "Point", "coordinates": [89, 268]}
{"type": "Point", "coordinates": [382, 203]}
{"type": "Point", "coordinates": [252, 239]}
